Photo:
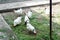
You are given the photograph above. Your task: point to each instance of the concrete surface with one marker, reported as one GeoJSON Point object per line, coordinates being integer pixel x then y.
{"type": "Point", "coordinates": [3, 24]}
{"type": "Point", "coordinates": [24, 4]}
{"type": "Point", "coordinates": [5, 31]}
{"type": "Point", "coordinates": [10, 1]}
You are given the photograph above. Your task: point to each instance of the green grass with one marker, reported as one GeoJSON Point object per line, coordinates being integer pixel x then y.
{"type": "Point", "coordinates": [55, 32]}
{"type": "Point", "coordinates": [41, 26]}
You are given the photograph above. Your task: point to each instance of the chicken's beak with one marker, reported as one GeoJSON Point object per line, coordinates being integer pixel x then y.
{"type": "Point", "coordinates": [12, 25]}
{"type": "Point", "coordinates": [35, 33]}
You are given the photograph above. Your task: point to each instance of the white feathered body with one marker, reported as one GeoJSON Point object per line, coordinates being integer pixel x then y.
{"type": "Point", "coordinates": [17, 21]}
{"type": "Point", "coordinates": [47, 11]}
{"type": "Point", "coordinates": [26, 18]}
{"type": "Point", "coordinates": [29, 14]}
{"type": "Point", "coordinates": [19, 11]}
{"type": "Point", "coordinates": [31, 28]}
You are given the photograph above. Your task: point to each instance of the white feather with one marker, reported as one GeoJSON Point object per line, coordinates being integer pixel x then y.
{"type": "Point", "coordinates": [26, 18]}
{"type": "Point", "coordinates": [19, 11]}
{"type": "Point", "coordinates": [17, 21]}
{"type": "Point", "coordinates": [31, 28]}
{"type": "Point", "coordinates": [29, 14]}
{"type": "Point", "coordinates": [47, 11]}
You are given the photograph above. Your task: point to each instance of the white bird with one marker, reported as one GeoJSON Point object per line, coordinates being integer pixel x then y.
{"type": "Point", "coordinates": [47, 10]}
{"type": "Point", "coordinates": [19, 11]}
{"type": "Point", "coordinates": [26, 19]}
{"type": "Point", "coordinates": [17, 21]}
{"type": "Point", "coordinates": [31, 28]}
{"type": "Point", "coordinates": [29, 14]}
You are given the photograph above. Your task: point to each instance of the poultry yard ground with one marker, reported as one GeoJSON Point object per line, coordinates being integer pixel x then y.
{"type": "Point", "coordinates": [55, 20]}
{"type": "Point", "coordinates": [40, 21]}
{"type": "Point", "coordinates": [37, 20]}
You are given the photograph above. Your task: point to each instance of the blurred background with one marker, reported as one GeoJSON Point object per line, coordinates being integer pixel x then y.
{"type": "Point", "coordinates": [40, 19]}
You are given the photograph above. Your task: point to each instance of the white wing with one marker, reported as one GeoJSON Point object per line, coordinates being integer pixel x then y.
{"type": "Point", "coordinates": [30, 27]}
{"type": "Point", "coordinates": [29, 14]}
{"type": "Point", "coordinates": [26, 18]}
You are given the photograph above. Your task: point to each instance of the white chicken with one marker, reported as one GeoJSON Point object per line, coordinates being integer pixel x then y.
{"type": "Point", "coordinates": [17, 21]}
{"type": "Point", "coordinates": [29, 14]}
{"type": "Point", "coordinates": [47, 10]}
{"type": "Point", "coordinates": [26, 19]}
{"type": "Point", "coordinates": [30, 28]}
{"type": "Point", "coordinates": [19, 11]}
